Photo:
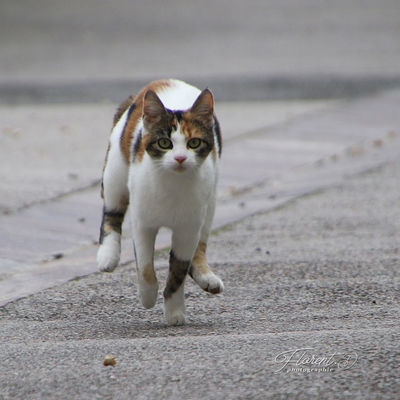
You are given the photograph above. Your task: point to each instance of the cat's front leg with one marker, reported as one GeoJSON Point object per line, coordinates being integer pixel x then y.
{"type": "Point", "coordinates": [183, 247]}
{"type": "Point", "coordinates": [202, 273]}
{"type": "Point", "coordinates": [144, 252]}
{"type": "Point", "coordinates": [199, 269]}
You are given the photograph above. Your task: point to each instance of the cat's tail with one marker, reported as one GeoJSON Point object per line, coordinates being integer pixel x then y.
{"type": "Point", "coordinates": [122, 108]}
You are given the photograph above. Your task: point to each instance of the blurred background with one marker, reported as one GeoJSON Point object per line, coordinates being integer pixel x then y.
{"type": "Point", "coordinates": [94, 50]}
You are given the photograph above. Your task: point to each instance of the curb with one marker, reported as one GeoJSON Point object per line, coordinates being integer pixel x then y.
{"type": "Point", "coordinates": [236, 88]}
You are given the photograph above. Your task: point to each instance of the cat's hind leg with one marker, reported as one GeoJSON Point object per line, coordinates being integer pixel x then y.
{"type": "Point", "coordinates": [116, 199]}
{"type": "Point", "coordinates": [199, 269]}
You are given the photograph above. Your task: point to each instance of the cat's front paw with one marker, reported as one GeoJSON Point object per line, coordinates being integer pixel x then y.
{"type": "Point", "coordinates": [174, 310]}
{"type": "Point", "coordinates": [210, 282]}
{"type": "Point", "coordinates": [109, 253]}
{"type": "Point", "coordinates": [175, 318]}
{"type": "Point", "coordinates": [148, 294]}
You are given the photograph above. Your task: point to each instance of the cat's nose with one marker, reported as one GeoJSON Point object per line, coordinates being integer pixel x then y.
{"type": "Point", "coordinates": [180, 159]}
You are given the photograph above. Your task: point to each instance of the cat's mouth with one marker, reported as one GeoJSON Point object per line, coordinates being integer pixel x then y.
{"type": "Point", "coordinates": [179, 168]}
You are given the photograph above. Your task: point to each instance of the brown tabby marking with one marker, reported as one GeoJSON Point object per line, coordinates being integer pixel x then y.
{"type": "Point", "coordinates": [189, 130]}
{"type": "Point", "coordinates": [136, 114]}
{"type": "Point", "coordinates": [122, 108]}
{"type": "Point", "coordinates": [174, 123]}
{"type": "Point", "coordinates": [142, 148]}
{"type": "Point", "coordinates": [178, 270]}
{"type": "Point", "coordinates": [149, 275]}
{"type": "Point", "coordinates": [112, 222]}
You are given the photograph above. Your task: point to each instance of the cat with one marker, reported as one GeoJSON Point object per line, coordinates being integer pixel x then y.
{"type": "Point", "coordinates": [162, 159]}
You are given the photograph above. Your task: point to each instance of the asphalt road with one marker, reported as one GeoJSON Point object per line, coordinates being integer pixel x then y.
{"type": "Point", "coordinates": [310, 311]}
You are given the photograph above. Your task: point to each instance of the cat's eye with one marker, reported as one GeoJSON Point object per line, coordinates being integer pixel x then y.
{"type": "Point", "coordinates": [164, 143]}
{"type": "Point", "coordinates": [194, 143]}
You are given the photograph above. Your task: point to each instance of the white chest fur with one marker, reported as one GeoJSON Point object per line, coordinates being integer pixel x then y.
{"type": "Point", "coordinates": [166, 198]}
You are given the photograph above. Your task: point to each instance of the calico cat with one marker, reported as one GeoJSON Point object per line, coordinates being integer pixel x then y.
{"type": "Point", "coordinates": [162, 159]}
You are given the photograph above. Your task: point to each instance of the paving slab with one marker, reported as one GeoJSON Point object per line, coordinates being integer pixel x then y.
{"type": "Point", "coordinates": [310, 311]}
{"type": "Point", "coordinates": [52, 149]}
{"type": "Point", "coordinates": [52, 239]}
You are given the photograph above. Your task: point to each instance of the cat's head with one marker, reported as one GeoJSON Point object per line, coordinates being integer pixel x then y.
{"type": "Point", "coordinates": [179, 141]}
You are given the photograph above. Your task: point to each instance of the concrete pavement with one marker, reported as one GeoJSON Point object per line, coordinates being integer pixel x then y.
{"type": "Point", "coordinates": [310, 311]}
{"type": "Point", "coordinates": [53, 150]}
{"type": "Point", "coordinates": [49, 214]}
{"type": "Point", "coordinates": [54, 241]}
{"type": "Point", "coordinates": [312, 286]}
{"type": "Point", "coordinates": [311, 268]}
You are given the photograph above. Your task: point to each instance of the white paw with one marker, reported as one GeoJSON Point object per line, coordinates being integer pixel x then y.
{"type": "Point", "coordinates": [109, 252]}
{"type": "Point", "coordinates": [148, 294]}
{"type": "Point", "coordinates": [210, 283]}
{"type": "Point", "coordinates": [174, 308]}
{"type": "Point", "coordinates": [175, 318]}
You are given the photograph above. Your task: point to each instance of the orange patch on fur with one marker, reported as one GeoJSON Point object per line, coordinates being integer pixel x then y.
{"type": "Point", "coordinates": [199, 261]}
{"type": "Point", "coordinates": [214, 153]}
{"type": "Point", "coordinates": [142, 148]}
{"type": "Point", "coordinates": [149, 275]}
{"type": "Point", "coordinates": [189, 130]}
{"type": "Point", "coordinates": [186, 128]}
{"type": "Point", "coordinates": [174, 123]}
{"type": "Point", "coordinates": [136, 114]}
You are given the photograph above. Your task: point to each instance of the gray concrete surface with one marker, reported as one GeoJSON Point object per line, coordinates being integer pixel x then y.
{"type": "Point", "coordinates": [311, 268]}
{"type": "Point", "coordinates": [53, 241]}
{"type": "Point", "coordinates": [51, 158]}
{"type": "Point", "coordinates": [51, 150]}
{"type": "Point", "coordinates": [319, 273]}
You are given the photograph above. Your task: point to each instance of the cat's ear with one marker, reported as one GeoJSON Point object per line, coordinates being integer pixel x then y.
{"type": "Point", "coordinates": [153, 108]}
{"type": "Point", "coordinates": [203, 107]}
